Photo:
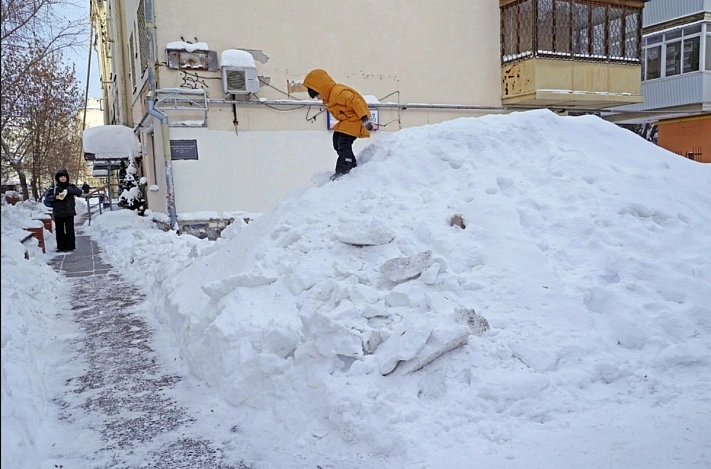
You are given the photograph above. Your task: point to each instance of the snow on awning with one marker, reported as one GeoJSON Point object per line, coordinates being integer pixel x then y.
{"type": "Point", "coordinates": [110, 142]}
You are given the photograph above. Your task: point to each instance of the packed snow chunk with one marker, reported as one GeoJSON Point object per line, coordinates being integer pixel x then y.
{"type": "Point", "coordinates": [329, 337]}
{"type": "Point", "coordinates": [371, 340]}
{"type": "Point", "coordinates": [442, 340]}
{"type": "Point", "coordinates": [280, 341]}
{"type": "Point", "coordinates": [429, 276]}
{"type": "Point", "coordinates": [405, 341]}
{"type": "Point", "coordinates": [477, 324]}
{"type": "Point", "coordinates": [629, 334]}
{"type": "Point", "coordinates": [539, 360]}
{"type": "Point", "coordinates": [405, 268]}
{"type": "Point", "coordinates": [222, 287]}
{"type": "Point", "coordinates": [345, 267]}
{"type": "Point", "coordinates": [370, 233]}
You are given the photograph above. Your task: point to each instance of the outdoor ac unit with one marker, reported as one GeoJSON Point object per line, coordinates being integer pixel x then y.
{"type": "Point", "coordinates": [239, 80]}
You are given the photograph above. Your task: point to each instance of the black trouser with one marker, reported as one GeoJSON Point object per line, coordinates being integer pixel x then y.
{"type": "Point", "coordinates": [64, 228]}
{"type": "Point", "coordinates": [343, 144]}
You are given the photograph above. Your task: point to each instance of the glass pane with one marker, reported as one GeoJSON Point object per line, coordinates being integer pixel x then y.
{"type": "Point", "coordinates": [632, 34]}
{"type": "Point", "coordinates": [615, 33]}
{"type": "Point", "coordinates": [653, 69]}
{"type": "Point", "coordinates": [673, 34]}
{"type": "Point", "coordinates": [692, 30]}
{"type": "Point", "coordinates": [599, 31]}
{"type": "Point", "coordinates": [509, 36]}
{"type": "Point", "coordinates": [655, 39]}
{"type": "Point", "coordinates": [526, 26]}
{"type": "Point", "coordinates": [708, 52]}
{"type": "Point", "coordinates": [581, 29]}
{"type": "Point", "coordinates": [673, 59]}
{"type": "Point", "coordinates": [691, 54]}
{"type": "Point", "coordinates": [545, 26]}
{"type": "Point", "coordinates": [561, 41]}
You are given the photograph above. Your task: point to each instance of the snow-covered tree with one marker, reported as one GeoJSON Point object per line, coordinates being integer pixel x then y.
{"type": "Point", "coordinates": [133, 195]}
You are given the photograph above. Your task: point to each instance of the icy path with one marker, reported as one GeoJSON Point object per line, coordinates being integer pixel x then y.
{"type": "Point", "coordinates": [121, 407]}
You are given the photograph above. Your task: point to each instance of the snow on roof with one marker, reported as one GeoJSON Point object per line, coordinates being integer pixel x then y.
{"type": "Point", "coordinates": [190, 47]}
{"type": "Point", "coordinates": [111, 142]}
{"type": "Point", "coordinates": [237, 58]}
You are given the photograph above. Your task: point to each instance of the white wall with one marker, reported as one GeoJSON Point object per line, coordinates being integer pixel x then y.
{"type": "Point", "coordinates": [251, 171]}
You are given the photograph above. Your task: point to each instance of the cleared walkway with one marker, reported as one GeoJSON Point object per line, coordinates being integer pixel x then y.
{"type": "Point", "coordinates": [120, 385]}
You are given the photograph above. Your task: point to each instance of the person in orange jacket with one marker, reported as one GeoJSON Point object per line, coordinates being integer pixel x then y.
{"type": "Point", "coordinates": [351, 111]}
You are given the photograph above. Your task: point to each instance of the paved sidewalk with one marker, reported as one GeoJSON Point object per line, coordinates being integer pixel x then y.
{"type": "Point", "coordinates": [120, 390]}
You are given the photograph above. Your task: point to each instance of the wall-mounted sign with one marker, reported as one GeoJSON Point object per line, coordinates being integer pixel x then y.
{"type": "Point", "coordinates": [374, 116]}
{"type": "Point", "coordinates": [183, 150]}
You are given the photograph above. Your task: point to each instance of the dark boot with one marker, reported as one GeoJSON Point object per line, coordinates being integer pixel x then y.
{"type": "Point", "coordinates": [343, 144]}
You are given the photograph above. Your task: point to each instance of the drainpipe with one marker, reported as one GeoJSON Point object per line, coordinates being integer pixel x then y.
{"type": "Point", "coordinates": [126, 90]}
{"type": "Point", "coordinates": [165, 137]}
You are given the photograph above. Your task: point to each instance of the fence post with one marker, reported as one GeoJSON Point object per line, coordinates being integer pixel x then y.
{"type": "Point", "coordinates": [88, 209]}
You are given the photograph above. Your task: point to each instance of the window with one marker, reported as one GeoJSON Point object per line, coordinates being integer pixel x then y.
{"type": "Point", "coordinates": [680, 48]}
{"type": "Point", "coordinates": [653, 59]}
{"type": "Point", "coordinates": [571, 29]}
{"type": "Point", "coordinates": [708, 52]}
{"type": "Point", "coordinates": [691, 54]}
{"type": "Point", "coordinates": [132, 58]}
{"type": "Point", "coordinates": [142, 36]}
{"type": "Point", "coordinates": [673, 61]}
{"type": "Point", "coordinates": [517, 40]}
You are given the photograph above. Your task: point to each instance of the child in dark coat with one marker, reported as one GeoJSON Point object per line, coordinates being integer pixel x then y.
{"type": "Point", "coordinates": [64, 210]}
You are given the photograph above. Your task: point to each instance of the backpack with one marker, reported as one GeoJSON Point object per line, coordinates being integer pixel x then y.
{"type": "Point", "coordinates": [48, 197]}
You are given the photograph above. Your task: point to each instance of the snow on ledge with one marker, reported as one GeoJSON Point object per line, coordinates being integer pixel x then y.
{"type": "Point", "coordinates": [188, 123]}
{"type": "Point", "coordinates": [237, 58]}
{"type": "Point", "coordinates": [182, 45]}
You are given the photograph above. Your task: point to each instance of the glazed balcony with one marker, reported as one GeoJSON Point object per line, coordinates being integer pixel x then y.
{"type": "Point", "coordinates": [571, 53]}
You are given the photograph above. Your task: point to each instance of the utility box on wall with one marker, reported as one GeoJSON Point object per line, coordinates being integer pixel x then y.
{"type": "Point", "coordinates": [239, 72]}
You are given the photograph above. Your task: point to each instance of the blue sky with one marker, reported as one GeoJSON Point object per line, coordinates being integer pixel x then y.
{"type": "Point", "coordinates": [80, 56]}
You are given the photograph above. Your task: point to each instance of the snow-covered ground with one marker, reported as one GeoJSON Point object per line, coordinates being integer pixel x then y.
{"type": "Point", "coordinates": [566, 325]}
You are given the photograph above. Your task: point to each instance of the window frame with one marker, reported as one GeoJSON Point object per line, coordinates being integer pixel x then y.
{"type": "Point", "coordinates": [671, 37]}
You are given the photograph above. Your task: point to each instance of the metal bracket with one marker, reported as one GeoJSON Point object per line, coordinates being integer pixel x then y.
{"type": "Point", "coordinates": [183, 100]}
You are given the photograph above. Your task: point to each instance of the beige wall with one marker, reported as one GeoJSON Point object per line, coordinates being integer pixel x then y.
{"type": "Point", "coordinates": [447, 51]}
{"type": "Point", "coordinates": [410, 51]}
{"type": "Point", "coordinates": [94, 113]}
{"type": "Point", "coordinates": [545, 82]}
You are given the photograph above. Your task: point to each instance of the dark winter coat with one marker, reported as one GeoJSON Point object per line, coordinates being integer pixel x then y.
{"type": "Point", "coordinates": [65, 207]}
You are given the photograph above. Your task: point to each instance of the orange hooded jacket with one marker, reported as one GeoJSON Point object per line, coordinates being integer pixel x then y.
{"type": "Point", "coordinates": [343, 102]}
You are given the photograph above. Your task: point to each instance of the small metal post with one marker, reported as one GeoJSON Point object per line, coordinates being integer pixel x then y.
{"type": "Point", "coordinates": [88, 209]}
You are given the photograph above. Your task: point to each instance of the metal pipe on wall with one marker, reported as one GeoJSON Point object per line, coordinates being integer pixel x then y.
{"type": "Point", "coordinates": [165, 138]}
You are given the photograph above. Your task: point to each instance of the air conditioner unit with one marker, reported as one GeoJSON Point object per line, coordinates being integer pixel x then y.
{"type": "Point", "coordinates": [239, 80]}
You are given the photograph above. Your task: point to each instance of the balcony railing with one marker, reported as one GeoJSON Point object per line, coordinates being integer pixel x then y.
{"type": "Point", "coordinates": [584, 30]}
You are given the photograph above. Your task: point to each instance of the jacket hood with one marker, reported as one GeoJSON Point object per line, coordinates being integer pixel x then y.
{"type": "Point", "coordinates": [320, 81]}
{"type": "Point", "coordinates": [61, 172]}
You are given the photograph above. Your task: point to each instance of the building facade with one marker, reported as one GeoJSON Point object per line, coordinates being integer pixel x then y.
{"type": "Point", "coordinates": [214, 94]}
{"type": "Point", "coordinates": [676, 76]}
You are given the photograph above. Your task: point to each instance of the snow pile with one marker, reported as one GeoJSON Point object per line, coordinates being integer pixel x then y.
{"type": "Point", "coordinates": [354, 317]}
{"type": "Point", "coordinates": [29, 302]}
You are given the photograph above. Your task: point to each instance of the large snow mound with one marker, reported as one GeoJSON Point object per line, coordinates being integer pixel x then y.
{"type": "Point", "coordinates": [580, 279]}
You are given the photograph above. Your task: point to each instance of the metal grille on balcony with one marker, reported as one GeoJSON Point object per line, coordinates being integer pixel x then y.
{"type": "Point", "coordinates": [587, 30]}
